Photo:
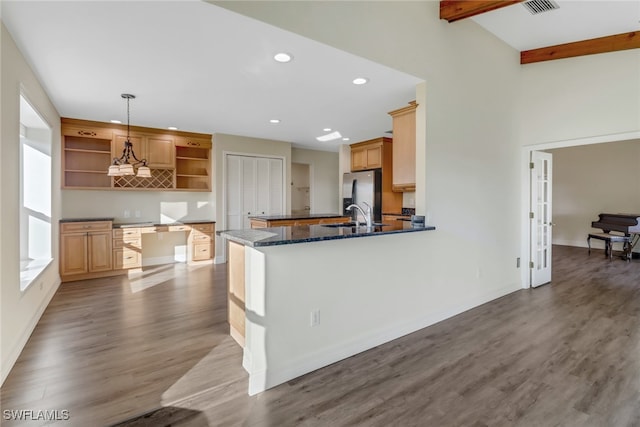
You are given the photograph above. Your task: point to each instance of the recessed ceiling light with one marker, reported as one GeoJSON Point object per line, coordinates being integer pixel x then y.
{"type": "Point", "coordinates": [283, 57]}
{"type": "Point", "coordinates": [327, 129]}
{"type": "Point", "coordinates": [329, 137]}
{"type": "Point", "coordinates": [345, 139]}
{"type": "Point", "coordinates": [115, 121]}
{"type": "Point", "coordinates": [274, 121]}
{"type": "Point", "coordinates": [172, 128]}
{"type": "Point", "coordinates": [360, 81]}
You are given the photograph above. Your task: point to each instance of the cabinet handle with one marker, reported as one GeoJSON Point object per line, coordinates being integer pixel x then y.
{"type": "Point", "coordinates": [196, 144]}
{"type": "Point", "coordinates": [86, 226]}
{"type": "Point", "coordinates": [86, 133]}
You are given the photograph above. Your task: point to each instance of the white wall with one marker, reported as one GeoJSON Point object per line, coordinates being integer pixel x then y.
{"type": "Point", "coordinates": [233, 144]}
{"type": "Point", "coordinates": [324, 171]}
{"type": "Point", "coordinates": [20, 311]}
{"type": "Point", "coordinates": [481, 108]}
{"type": "Point", "coordinates": [581, 97]}
{"type": "Point", "coordinates": [468, 154]}
{"type": "Point", "coordinates": [592, 179]}
{"type": "Point", "coordinates": [153, 206]}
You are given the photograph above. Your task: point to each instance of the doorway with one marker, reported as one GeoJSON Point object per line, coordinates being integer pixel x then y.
{"type": "Point", "coordinates": [300, 188]}
{"type": "Point", "coordinates": [527, 241]}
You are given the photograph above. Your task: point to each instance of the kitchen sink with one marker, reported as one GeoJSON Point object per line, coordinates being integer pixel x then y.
{"type": "Point", "coordinates": [353, 224]}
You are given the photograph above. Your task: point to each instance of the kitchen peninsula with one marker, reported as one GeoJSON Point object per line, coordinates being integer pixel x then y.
{"type": "Point", "coordinates": [304, 297]}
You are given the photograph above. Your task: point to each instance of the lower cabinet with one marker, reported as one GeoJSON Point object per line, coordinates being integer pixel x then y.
{"type": "Point", "coordinates": [92, 249]}
{"type": "Point", "coordinates": [236, 291]}
{"type": "Point", "coordinates": [201, 240]}
{"type": "Point", "coordinates": [127, 248]}
{"type": "Point", "coordinates": [264, 223]}
{"type": "Point", "coordinates": [85, 248]}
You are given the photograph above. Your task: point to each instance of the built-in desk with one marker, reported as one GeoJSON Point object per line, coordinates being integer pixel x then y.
{"type": "Point", "coordinates": [98, 247]}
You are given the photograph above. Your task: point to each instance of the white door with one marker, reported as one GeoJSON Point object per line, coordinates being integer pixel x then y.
{"type": "Point", "coordinates": [540, 218]}
{"type": "Point", "coordinates": [254, 186]}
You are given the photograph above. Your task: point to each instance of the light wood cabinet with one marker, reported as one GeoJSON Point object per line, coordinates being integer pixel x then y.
{"type": "Point", "coordinates": [378, 153]}
{"type": "Point", "coordinates": [193, 168]}
{"type": "Point", "coordinates": [158, 150]}
{"type": "Point", "coordinates": [92, 249]}
{"type": "Point", "coordinates": [86, 156]}
{"type": "Point", "coordinates": [366, 155]}
{"type": "Point", "coordinates": [236, 291]}
{"type": "Point", "coordinates": [127, 248]}
{"type": "Point", "coordinates": [85, 248]}
{"type": "Point", "coordinates": [201, 241]}
{"type": "Point", "coordinates": [263, 223]}
{"type": "Point", "coordinates": [404, 148]}
{"type": "Point", "coordinates": [178, 160]}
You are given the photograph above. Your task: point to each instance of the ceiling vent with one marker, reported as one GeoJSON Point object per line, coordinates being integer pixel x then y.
{"type": "Point", "coordinates": [538, 6]}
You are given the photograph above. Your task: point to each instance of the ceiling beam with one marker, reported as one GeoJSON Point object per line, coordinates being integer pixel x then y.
{"type": "Point", "coordinates": [586, 47]}
{"type": "Point", "coordinates": [454, 10]}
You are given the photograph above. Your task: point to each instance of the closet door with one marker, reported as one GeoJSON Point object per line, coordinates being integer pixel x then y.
{"type": "Point", "coordinates": [234, 188]}
{"type": "Point", "coordinates": [254, 188]}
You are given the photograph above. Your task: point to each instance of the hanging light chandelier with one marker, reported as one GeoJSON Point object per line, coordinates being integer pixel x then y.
{"type": "Point", "coordinates": [123, 166]}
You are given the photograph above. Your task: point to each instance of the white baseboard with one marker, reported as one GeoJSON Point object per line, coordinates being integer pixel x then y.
{"type": "Point", "coordinates": [260, 381]}
{"type": "Point", "coordinates": [14, 353]}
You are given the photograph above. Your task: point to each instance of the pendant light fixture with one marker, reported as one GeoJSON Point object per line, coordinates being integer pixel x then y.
{"type": "Point", "coordinates": [122, 166]}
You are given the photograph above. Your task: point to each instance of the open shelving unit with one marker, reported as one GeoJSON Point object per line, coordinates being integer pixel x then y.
{"type": "Point", "coordinates": [193, 169]}
{"type": "Point", "coordinates": [86, 161]}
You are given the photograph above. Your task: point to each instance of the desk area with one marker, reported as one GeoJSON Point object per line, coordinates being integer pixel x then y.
{"type": "Point", "coordinates": [98, 247]}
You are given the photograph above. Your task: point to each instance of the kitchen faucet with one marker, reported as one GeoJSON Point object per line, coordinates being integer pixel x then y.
{"type": "Point", "coordinates": [367, 216]}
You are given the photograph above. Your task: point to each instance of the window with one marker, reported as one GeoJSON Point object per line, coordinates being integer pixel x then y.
{"type": "Point", "coordinates": [35, 194]}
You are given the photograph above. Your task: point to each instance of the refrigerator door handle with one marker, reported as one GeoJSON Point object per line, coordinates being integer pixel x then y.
{"type": "Point", "coordinates": [353, 190]}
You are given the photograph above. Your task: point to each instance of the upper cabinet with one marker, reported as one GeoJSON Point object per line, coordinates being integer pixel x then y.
{"type": "Point", "coordinates": [178, 160]}
{"type": "Point", "coordinates": [366, 155]}
{"type": "Point", "coordinates": [404, 147]}
{"type": "Point", "coordinates": [374, 154]}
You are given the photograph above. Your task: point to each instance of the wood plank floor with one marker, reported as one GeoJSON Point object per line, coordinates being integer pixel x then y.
{"type": "Point", "coordinates": [566, 354]}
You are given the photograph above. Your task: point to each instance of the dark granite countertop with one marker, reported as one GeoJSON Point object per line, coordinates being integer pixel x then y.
{"type": "Point", "coordinates": [166, 224]}
{"type": "Point", "coordinates": [84, 219]}
{"type": "Point", "coordinates": [297, 216]}
{"type": "Point", "coordinates": [137, 224]}
{"type": "Point", "coordinates": [272, 236]}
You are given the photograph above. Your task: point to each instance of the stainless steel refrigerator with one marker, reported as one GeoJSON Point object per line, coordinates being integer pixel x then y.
{"type": "Point", "coordinates": [359, 187]}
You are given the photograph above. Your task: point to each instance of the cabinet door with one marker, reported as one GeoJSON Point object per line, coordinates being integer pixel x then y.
{"type": "Point", "coordinates": [136, 142]}
{"type": "Point", "coordinates": [373, 157]}
{"type": "Point", "coordinates": [73, 254]}
{"type": "Point", "coordinates": [160, 151]}
{"type": "Point", "coordinates": [358, 159]}
{"type": "Point", "coordinates": [99, 252]}
{"type": "Point", "coordinates": [254, 187]}
{"type": "Point", "coordinates": [404, 151]}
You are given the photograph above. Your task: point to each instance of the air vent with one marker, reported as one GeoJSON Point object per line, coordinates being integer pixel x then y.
{"type": "Point", "coordinates": [538, 6]}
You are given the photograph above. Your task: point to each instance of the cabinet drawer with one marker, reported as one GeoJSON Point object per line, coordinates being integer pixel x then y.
{"type": "Point", "coordinates": [131, 242]}
{"type": "Point", "coordinates": [203, 228]}
{"type": "Point", "coordinates": [184, 227]}
{"type": "Point", "coordinates": [202, 251]}
{"type": "Point", "coordinates": [124, 258]}
{"type": "Point", "coordinates": [124, 233]}
{"type": "Point", "coordinates": [75, 227]}
{"type": "Point", "coordinates": [202, 238]}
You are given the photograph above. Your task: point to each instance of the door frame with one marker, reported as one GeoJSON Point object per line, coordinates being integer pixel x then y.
{"type": "Point", "coordinates": [285, 192]}
{"type": "Point", "coordinates": [311, 178]}
{"type": "Point", "coordinates": [525, 198]}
